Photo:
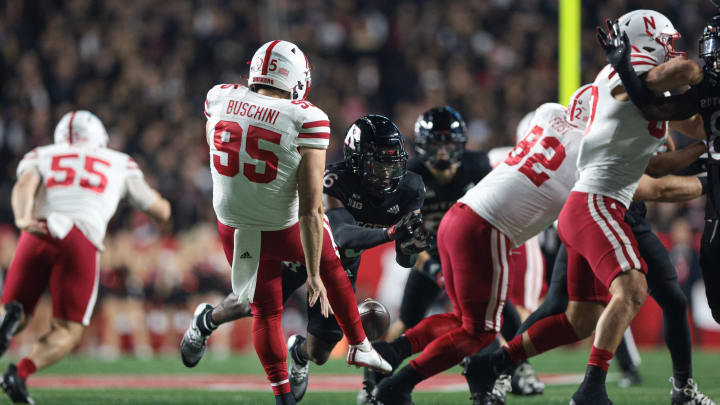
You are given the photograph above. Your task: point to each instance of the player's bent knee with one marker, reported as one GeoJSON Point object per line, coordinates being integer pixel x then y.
{"type": "Point", "coordinates": [631, 287]}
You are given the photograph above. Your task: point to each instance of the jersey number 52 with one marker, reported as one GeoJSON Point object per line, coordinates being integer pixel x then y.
{"type": "Point", "coordinates": [228, 140]}
{"type": "Point", "coordinates": [525, 146]}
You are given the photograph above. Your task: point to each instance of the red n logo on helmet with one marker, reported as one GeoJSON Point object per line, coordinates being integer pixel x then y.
{"type": "Point", "coordinates": [649, 22]}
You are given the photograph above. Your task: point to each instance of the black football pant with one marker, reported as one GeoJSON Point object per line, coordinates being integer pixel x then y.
{"type": "Point", "coordinates": [710, 264]}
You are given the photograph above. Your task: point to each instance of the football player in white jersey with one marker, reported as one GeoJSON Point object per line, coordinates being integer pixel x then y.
{"type": "Point", "coordinates": [81, 182]}
{"type": "Point", "coordinates": [518, 199]}
{"type": "Point", "coordinates": [267, 158]}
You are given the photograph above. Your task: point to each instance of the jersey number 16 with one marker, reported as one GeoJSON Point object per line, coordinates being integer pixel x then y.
{"type": "Point", "coordinates": [524, 147]}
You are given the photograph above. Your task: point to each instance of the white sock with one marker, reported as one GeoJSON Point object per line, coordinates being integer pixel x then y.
{"type": "Point", "coordinates": [364, 346]}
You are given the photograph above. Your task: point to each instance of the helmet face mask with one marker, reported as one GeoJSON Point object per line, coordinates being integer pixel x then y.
{"type": "Point", "coordinates": [709, 44]}
{"type": "Point", "coordinates": [375, 151]}
{"type": "Point", "coordinates": [440, 137]}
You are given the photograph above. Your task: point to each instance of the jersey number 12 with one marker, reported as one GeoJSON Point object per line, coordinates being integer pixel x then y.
{"type": "Point", "coordinates": [524, 147]}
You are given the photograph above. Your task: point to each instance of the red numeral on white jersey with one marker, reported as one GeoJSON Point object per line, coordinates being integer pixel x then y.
{"type": "Point", "coordinates": [90, 168]}
{"type": "Point", "coordinates": [526, 145]}
{"type": "Point", "coordinates": [231, 147]}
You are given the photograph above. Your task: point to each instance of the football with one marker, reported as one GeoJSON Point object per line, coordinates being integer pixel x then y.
{"type": "Point", "coordinates": [375, 318]}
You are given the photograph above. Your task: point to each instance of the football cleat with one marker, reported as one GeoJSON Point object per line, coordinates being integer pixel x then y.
{"type": "Point", "coordinates": [630, 378]}
{"type": "Point", "coordinates": [480, 375]}
{"type": "Point", "coordinates": [484, 398]}
{"type": "Point", "coordinates": [14, 386]}
{"type": "Point", "coordinates": [9, 324]}
{"type": "Point", "coordinates": [688, 395]}
{"type": "Point", "coordinates": [390, 392]}
{"type": "Point", "coordinates": [364, 355]}
{"type": "Point", "coordinates": [525, 381]}
{"type": "Point", "coordinates": [193, 344]}
{"type": "Point", "coordinates": [596, 395]}
{"type": "Point", "coordinates": [297, 370]}
{"type": "Point", "coordinates": [499, 392]}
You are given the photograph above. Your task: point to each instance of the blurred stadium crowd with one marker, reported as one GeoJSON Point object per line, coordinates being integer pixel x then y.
{"type": "Point", "coordinates": [144, 68]}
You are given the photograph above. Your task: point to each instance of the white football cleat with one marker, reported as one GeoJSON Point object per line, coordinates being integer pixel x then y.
{"type": "Point", "coordinates": [364, 355]}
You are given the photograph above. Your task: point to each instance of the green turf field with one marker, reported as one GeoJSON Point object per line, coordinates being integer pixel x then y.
{"type": "Point", "coordinates": [655, 370]}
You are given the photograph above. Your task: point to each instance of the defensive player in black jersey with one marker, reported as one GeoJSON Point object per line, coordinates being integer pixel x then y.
{"type": "Point", "coordinates": [369, 198]}
{"type": "Point", "coordinates": [448, 171]}
{"type": "Point", "coordinates": [701, 100]}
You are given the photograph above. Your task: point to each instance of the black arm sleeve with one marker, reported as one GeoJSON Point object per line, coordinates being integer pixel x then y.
{"type": "Point", "coordinates": [636, 89]}
{"type": "Point", "coordinates": [348, 235]}
{"type": "Point", "coordinates": [403, 259]}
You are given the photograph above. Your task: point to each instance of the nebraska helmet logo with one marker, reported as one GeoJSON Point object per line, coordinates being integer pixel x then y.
{"type": "Point", "coordinates": [649, 23]}
{"type": "Point", "coordinates": [352, 139]}
{"type": "Point", "coordinates": [256, 65]}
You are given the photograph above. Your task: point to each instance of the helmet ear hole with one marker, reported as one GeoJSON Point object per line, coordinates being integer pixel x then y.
{"type": "Point", "coordinates": [649, 49]}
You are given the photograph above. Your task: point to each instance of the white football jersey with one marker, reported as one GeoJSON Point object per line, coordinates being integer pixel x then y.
{"type": "Point", "coordinates": [526, 192]}
{"type": "Point", "coordinates": [254, 154]}
{"type": "Point", "coordinates": [82, 183]}
{"type": "Point", "coordinates": [619, 141]}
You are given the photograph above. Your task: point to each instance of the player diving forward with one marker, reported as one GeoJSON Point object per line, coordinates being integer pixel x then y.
{"type": "Point", "coordinates": [662, 278]}
{"type": "Point", "coordinates": [62, 237]}
{"type": "Point", "coordinates": [370, 199]}
{"type": "Point", "coordinates": [267, 156]}
{"type": "Point", "coordinates": [703, 97]}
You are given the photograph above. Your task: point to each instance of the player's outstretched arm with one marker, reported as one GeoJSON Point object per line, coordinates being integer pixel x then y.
{"type": "Point", "coordinates": [670, 188]}
{"type": "Point", "coordinates": [144, 198]}
{"type": "Point", "coordinates": [669, 162]}
{"type": "Point", "coordinates": [310, 190]}
{"type": "Point", "coordinates": [22, 200]}
{"type": "Point", "coordinates": [346, 232]}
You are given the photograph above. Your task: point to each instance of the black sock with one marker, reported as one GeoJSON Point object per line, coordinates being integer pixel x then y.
{"type": "Point", "coordinates": [297, 354]}
{"type": "Point", "coordinates": [595, 376]}
{"type": "Point", "coordinates": [681, 378]}
{"type": "Point", "coordinates": [205, 324]}
{"type": "Point", "coordinates": [502, 362]}
{"type": "Point", "coordinates": [285, 399]}
{"type": "Point", "coordinates": [402, 347]}
{"type": "Point", "coordinates": [408, 376]}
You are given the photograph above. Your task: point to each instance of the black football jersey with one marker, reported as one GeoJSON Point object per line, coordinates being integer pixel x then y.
{"type": "Point", "coordinates": [367, 210]}
{"type": "Point", "coordinates": [439, 197]}
{"type": "Point", "coordinates": [709, 108]}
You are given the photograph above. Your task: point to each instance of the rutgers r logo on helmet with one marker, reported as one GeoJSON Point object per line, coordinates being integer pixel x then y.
{"type": "Point", "coordinates": [353, 137]}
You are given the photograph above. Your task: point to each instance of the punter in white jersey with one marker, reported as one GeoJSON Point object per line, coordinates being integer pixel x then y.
{"type": "Point", "coordinates": [267, 158]}
{"type": "Point", "coordinates": [81, 182]}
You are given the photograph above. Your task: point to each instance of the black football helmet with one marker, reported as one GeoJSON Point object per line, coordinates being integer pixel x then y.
{"type": "Point", "coordinates": [375, 151]}
{"type": "Point", "coordinates": [709, 44]}
{"type": "Point", "coordinates": [437, 128]}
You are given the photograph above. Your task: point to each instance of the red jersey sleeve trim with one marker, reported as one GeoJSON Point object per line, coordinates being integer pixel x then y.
{"type": "Point", "coordinates": [315, 135]}
{"type": "Point", "coordinates": [315, 124]}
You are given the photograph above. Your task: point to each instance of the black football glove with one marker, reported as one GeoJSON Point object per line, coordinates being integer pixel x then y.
{"type": "Point", "coordinates": [420, 240]}
{"type": "Point", "coordinates": [404, 229]}
{"type": "Point", "coordinates": [616, 46]}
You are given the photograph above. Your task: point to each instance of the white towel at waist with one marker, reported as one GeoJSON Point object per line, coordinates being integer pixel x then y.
{"type": "Point", "coordinates": [246, 259]}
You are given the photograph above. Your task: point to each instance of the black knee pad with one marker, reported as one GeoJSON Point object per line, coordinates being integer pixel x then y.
{"type": "Point", "coordinates": [420, 292]}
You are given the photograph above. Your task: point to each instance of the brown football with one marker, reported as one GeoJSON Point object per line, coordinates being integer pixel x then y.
{"type": "Point", "coordinates": [375, 318]}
